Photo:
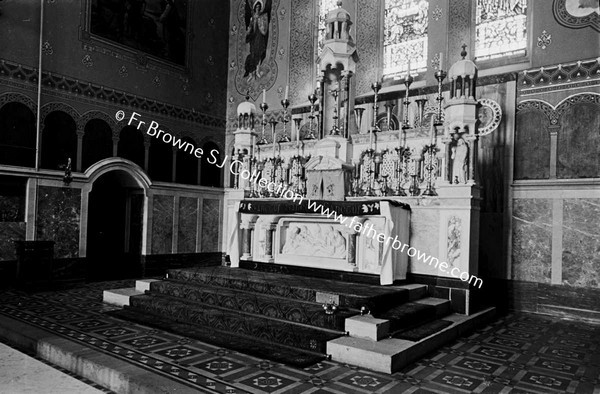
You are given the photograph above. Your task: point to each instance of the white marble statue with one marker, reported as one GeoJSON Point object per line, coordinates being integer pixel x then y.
{"type": "Point", "coordinates": [460, 152]}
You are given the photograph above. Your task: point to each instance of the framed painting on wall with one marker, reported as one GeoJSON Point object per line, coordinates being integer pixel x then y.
{"type": "Point", "coordinates": [157, 28]}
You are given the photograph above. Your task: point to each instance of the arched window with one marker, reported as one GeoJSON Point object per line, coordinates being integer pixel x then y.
{"type": "Point", "coordinates": [97, 142]}
{"type": "Point", "coordinates": [59, 141]}
{"type": "Point", "coordinates": [210, 174]}
{"type": "Point", "coordinates": [405, 37]}
{"type": "Point", "coordinates": [17, 135]}
{"type": "Point", "coordinates": [131, 145]}
{"type": "Point", "coordinates": [160, 165]}
{"type": "Point", "coordinates": [501, 28]}
{"type": "Point", "coordinates": [187, 165]}
{"type": "Point", "coordinates": [325, 6]}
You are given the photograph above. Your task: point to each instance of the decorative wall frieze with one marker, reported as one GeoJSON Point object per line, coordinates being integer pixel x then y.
{"type": "Point", "coordinates": [554, 113]}
{"type": "Point", "coordinates": [76, 89]}
{"type": "Point", "coordinates": [560, 76]}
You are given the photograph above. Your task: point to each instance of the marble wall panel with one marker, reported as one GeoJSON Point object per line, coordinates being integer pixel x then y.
{"type": "Point", "coordinates": [210, 225]}
{"type": "Point", "coordinates": [162, 224]}
{"type": "Point", "coordinates": [58, 216]}
{"type": "Point", "coordinates": [532, 240]}
{"type": "Point", "coordinates": [188, 225]}
{"type": "Point", "coordinates": [581, 242]}
{"type": "Point", "coordinates": [12, 208]}
{"type": "Point", "coordinates": [424, 236]}
{"type": "Point", "coordinates": [10, 232]}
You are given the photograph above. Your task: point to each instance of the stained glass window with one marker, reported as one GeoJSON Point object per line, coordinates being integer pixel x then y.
{"type": "Point", "coordinates": [325, 6]}
{"type": "Point", "coordinates": [501, 28]}
{"type": "Point", "coordinates": [405, 37]}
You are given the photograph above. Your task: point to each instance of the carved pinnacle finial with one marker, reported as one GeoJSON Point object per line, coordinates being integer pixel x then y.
{"type": "Point", "coordinates": [463, 53]}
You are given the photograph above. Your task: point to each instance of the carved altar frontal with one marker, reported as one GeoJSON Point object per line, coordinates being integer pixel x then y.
{"type": "Point", "coordinates": [353, 240]}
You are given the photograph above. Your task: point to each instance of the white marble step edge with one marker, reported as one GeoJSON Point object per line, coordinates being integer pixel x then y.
{"type": "Point", "coordinates": [391, 354]}
{"type": "Point", "coordinates": [121, 297]}
{"type": "Point", "coordinates": [371, 328]}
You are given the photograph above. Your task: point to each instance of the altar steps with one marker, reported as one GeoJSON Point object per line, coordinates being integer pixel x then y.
{"type": "Point", "coordinates": [274, 307]}
{"type": "Point", "coordinates": [278, 316]}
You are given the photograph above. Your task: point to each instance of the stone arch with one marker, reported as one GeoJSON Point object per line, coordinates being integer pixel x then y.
{"type": "Point", "coordinates": [118, 163]}
{"type": "Point", "coordinates": [58, 106]}
{"type": "Point", "coordinates": [14, 97]}
{"type": "Point", "coordinates": [95, 114]}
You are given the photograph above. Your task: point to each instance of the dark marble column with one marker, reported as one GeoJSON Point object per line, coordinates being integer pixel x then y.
{"type": "Point", "coordinates": [78, 160]}
{"type": "Point", "coordinates": [352, 249]}
{"type": "Point", "coordinates": [269, 243]}
{"type": "Point", "coordinates": [246, 237]}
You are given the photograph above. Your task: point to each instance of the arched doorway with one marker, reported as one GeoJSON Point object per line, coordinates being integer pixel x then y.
{"type": "Point", "coordinates": [115, 225]}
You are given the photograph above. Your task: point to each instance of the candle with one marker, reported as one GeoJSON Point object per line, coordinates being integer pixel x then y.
{"type": "Point", "coordinates": [441, 65]}
{"type": "Point", "coordinates": [264, 96]}
{"type": "Point", "coordinates": [408, 72]}
{"type": "Point", "coordinates": [287, 90]}
{"type": "Point", "coordinates": [432, 132]}
{"type": "Point", "coordinates": [371, 139]}
{"type": "Point", "coordinates": [273, 132]}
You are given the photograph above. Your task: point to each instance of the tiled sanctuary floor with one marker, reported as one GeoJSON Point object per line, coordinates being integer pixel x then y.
{"type": "Point", "coordinates": [518, 353]}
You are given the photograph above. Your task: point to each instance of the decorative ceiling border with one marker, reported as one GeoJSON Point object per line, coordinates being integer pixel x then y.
{"type": "Point", "coordinates": [77, 88]}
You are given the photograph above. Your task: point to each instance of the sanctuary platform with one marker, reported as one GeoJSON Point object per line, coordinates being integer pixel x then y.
{"type": "Point", "coordinates": [297, 320]}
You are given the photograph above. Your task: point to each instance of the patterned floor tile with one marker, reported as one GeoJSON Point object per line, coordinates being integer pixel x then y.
{"type": "Point", "coordinates": [268, 382]}
{"type": "Point", "coordinates": [517, 353]}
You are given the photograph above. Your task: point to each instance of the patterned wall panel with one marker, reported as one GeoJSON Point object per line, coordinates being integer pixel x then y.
{"type": "Point", "coordinates": [58, 215]}
{"type": "Point", "coordinates": [579, 141]}
{"type": "Point", "coordinates": [210, 225]}
{"type": "Point", "coordinates": [188, 225]}
{"type": "Point", "coordinates": [459, 33]}
{"type": "Point", "coordinates": [162, 224]}
{"type": "Point", "coordinates": [302, 50]}
{"type": "Point", "coordinates": [367, 37]}
{"type": "Point", "coordinates": [532, 146]}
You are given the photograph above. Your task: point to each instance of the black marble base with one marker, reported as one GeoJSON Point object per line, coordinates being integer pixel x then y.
{"type": "Point", "coordinates": [314, 272]}
{"type": "Point", "coordinates": [581, 303]}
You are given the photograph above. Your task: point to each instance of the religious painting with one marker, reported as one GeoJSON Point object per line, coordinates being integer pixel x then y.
{"type": "Point", "coordinates": [577, 14]}
{"type": "Point", "coordinates": [256, 45]}
{"type": "Point", "coordinates": [156, 27]}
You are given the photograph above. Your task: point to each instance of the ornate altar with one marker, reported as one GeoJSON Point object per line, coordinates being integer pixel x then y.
{"type": "Point", "coordinates": [421, 151]}
{"type": "Point", "coordinates": [292, 233]}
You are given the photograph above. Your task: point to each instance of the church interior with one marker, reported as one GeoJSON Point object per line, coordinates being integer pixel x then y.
{"type": "Point", "coordinates": [307, 196]}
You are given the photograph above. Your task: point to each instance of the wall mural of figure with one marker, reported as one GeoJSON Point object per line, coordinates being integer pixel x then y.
{"type": "Point", "coordinates": [258, 19]}
{"type": "Point", "coordinates": [256, 46]}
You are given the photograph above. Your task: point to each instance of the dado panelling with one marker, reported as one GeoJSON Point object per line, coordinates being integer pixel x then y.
{"type": "Point", "coordinates": [581, 242]}
{"type": "Point", "coordinates": [58, 218]}
{"type": "Point", "coordinates": [532, 240]}
{"type": "Point", "coordinates": [162, 224]}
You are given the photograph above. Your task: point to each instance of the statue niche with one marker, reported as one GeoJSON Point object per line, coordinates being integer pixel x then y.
{"type": "Point", "coordinates": [460, 160]}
